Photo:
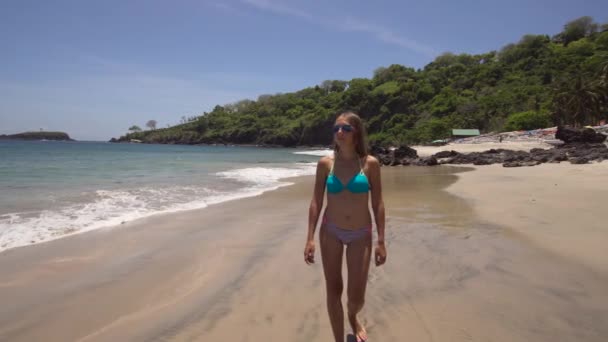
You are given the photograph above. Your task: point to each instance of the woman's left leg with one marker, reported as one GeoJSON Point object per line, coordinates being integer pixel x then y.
{"type": "Point", "coordinates": [358, 255]}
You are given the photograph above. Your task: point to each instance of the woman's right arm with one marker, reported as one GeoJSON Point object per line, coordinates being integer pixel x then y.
{"type": "Point", "coordinates": [316, 204]}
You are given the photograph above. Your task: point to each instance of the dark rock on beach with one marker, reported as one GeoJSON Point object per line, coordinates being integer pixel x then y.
{"type": "Point", "coordinates": [571, 135]}
{"type": "Point", "coordinates": [405, 151]}
{"type": "Point", "coordinates": [395, 156]}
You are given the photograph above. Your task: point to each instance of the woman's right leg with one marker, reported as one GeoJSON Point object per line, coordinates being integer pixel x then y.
{"type": "Point", "coordinates": [331, 254]}
{"type": "Point", "coordinates": [358, 255]}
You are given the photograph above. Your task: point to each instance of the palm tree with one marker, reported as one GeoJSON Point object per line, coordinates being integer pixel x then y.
{"type": "Point", "coordinates": [578, 101]}
{"type": "Point", "coordinates": [602, 88]}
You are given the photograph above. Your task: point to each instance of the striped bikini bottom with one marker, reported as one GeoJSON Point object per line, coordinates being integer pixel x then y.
{"type": "Point", "coordinates": [347, 236]}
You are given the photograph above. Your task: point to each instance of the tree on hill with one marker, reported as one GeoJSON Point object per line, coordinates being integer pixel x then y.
{"type": "Point", "coordinates": [578, 102]}
{"type": "Point", "coordinates": [151, 124]}
{"type": "Point", "coordinates": [578, 29]}
{"type": "Point", "coordinates": [134, 128]}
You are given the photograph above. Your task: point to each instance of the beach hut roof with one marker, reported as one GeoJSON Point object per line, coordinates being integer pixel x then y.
{"type": "Point", "coordinates": [469, 132]}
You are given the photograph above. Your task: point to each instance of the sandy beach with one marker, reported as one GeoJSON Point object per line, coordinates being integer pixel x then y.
{"type": "Point", "coordinates": [475, 254]}
{"type": "Point", "coordinates": [560, 207]}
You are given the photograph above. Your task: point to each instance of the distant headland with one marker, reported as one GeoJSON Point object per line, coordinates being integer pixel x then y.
{"type": "Point", "coordinates": [57, 136]}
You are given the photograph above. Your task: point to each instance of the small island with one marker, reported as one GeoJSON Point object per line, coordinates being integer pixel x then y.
{"type": "Point", "coordinates": [56, 136]}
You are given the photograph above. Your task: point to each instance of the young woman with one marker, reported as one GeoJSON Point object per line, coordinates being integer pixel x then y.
{"type": "Point", "coordinates": [350, 176]}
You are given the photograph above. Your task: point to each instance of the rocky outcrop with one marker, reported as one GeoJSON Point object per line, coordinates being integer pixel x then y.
{"type": "Point", "coordinates": [586, 135]}
{"type": "Point", "coordinates": [580, 147]}
{"type": "Point", "coordinates": [576, 154]}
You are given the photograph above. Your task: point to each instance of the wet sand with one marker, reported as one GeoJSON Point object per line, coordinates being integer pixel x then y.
{"type": "Point", "coordinates": [234, 272]}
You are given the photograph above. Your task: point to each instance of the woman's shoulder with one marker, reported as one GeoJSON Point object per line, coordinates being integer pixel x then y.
{"type": "Point", "coordinates": [325, 160]}
{"type": "Point", "coordinates": [371, 160]}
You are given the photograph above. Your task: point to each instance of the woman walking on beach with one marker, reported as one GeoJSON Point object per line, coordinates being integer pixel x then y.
{"type": "Point", "coordinates": [350, 177]}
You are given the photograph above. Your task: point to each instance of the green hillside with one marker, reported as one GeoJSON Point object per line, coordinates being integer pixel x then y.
{"type": "Point", "coordinates": [539, 81]}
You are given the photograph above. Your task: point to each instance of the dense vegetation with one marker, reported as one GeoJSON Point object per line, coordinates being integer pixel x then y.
{"type": "Point", "coordinates": [536, 82]}
{"type": "Point", "coordinates": [37, 136]}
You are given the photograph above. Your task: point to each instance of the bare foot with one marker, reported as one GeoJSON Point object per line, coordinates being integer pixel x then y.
{"type": "Point", "coordinates": [358, 329]}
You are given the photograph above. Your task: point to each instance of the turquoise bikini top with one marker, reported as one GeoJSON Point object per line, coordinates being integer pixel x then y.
{"type": "Point", "coordinates": [358, 184]}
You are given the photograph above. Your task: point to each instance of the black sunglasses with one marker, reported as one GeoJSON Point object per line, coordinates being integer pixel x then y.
{"type": "Point", "coordinates": [345, 128]}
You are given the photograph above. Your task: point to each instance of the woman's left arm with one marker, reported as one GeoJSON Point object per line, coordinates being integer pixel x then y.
{"type": "Point", "coordinates": [378, 209]}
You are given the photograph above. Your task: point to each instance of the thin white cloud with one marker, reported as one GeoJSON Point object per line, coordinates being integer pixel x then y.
{"type": "Point", "coordinates": [222, 6]}
{"type": "Point", "coordinates": [227, 8]}
{"type": "Point", "coordinates": [278, 8]}
{"type": "Point", "coordinates": [385, 35]}
{"type": "Point", "coordinates": [347, 24]}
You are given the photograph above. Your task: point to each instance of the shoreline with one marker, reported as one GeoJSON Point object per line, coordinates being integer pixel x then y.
{"type": "Point", "coordinates": [283, 182]}
{"type": "Point", "coordinates": [457, 189]}
{"type": "Point", "coordinates": [423, 151]}
{"type": "Point", "coordinates": [21, 228]}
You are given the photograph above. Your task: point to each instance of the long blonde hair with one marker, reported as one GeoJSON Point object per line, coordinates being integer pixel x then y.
{"type": "Point", "coordinates": [360, 134]}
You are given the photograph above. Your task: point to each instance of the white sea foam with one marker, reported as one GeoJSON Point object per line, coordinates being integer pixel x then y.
{"type": "Point", "coordinates": [262, 177]}
{"type": "Point", "coordinates": [114, 207]}
{"type": "Point", "coordinates": [319, 153]}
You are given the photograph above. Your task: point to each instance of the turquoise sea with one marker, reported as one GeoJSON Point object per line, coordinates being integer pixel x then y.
{"type": "Point", "coordinates": [53, 189]}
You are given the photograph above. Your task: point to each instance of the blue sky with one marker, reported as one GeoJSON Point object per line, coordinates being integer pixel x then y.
{"type": "Point", "coordinates": [94, 68]}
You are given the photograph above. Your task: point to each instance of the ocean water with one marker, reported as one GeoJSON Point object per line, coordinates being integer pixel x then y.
{"type": "Point", "coordinates": [51, 189]}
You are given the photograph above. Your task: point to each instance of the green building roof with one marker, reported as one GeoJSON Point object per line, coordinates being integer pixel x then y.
{"type": "Point", "coordinates": [467, 132]}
